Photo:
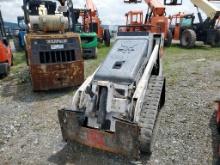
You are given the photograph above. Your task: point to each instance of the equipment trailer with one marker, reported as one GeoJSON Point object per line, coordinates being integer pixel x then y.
{"type": "Point", "coordinates": [116, 108]}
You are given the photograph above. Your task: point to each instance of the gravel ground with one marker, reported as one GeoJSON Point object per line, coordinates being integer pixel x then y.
{"type": "Point", "coordinates": [30, 133]}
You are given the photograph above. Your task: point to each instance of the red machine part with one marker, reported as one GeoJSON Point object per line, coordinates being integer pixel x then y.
{"type": "Point", "coordinates": [5, 53]}
{"type": "Point", "coordinates": [90, 5]}
{"type": "Point", "coordinates": [5, 50]}
{"type": "Point", "coordinates": [134, 21]}
{"type": "Point", "coordinates": [134, 18]}
{"type": "Point", "coordinates": [156, 17]}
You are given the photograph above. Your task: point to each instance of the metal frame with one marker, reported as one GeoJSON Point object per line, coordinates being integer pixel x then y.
{"type": "Point", "coordinates": [132, 1]}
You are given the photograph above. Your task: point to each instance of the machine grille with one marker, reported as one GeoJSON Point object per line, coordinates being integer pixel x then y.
{"type": "Point", "coordinates": [58, 56]}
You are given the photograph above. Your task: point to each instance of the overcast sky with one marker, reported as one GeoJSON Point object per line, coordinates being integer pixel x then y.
{"type": "Point", "coordinates": [111, 11]}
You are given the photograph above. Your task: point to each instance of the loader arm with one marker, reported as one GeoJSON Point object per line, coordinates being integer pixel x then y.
{"type": "Point", "coordinates": [207, 7]}
{"type": "Point", "coordinates": [91, 6]}
{"type": "Point", "coordinates": [210, 10]}
{"type": "Point", "coordinates": [156, 7]}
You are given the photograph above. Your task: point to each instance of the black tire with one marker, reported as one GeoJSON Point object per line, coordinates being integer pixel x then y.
{"type": "Point", "coordinates": [217, 121]}
{"type": "Point", "coordinates": [26, 54]}
{"type": "Point", "coordinates": [12, 60]}
{"type": "Point", "coordinates": [26, 57]}
{"type": "Point", "coordinates": [188, 38]}
{"type": "Point", "coordinates": [102, 106]}
{"type": "Point", "coordinates": [156, 68]}
{"type": "Point", "coordinates": [107, 37]}
{"type": "Point", "coordinates": [7, 70]}
{"type": "Point", "coordinates": [168, 39]}
{"type": "Point", "coordinates": [218, 127]}
{"type": "Point", "coordinates": [96, 52]}
{"type": "Point", "coordinates": [215, 41]}
{"type": "Point", "coordinates": [163, 95]}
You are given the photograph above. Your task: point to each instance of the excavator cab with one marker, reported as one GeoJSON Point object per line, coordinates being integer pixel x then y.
{"type": "Point", "coordinates": [134, 21]}
{"type": "Point", "coordinates": [134, 18]}
{"type": "Point", "coordinates": [173, 2]}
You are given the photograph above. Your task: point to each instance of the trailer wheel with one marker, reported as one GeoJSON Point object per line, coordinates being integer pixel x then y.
{"type": "Point", "coordinates": [188, 38]}
{"type": "Point", "coordinates": [107, 37]}
{"type": "Point", "coordinates": [168, 40]}
{"type": "Point", "coordinates": [102, 106]}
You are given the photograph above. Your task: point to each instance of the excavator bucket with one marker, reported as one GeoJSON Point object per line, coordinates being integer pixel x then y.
{"type": "Point", "coordinates": [172, 2]}
{"type": "Point", "coordinates": [123, 141]}
{"type": "Point", "coordinates": [132, 1]}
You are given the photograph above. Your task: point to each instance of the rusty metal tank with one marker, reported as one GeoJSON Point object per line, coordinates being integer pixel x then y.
{"type": "Point", "coordinates": [49, 23]}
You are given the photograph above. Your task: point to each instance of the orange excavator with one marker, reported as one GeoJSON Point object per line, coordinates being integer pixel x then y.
{"type": "Point", "coordinates": [5, 51]}
{"type": "Point", "coordinates": [93, 22]}
{"type": "Point", "coordinates": [156, 18]}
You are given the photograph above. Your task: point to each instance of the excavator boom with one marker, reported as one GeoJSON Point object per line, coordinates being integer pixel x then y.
{"type": "Point", "coordinates": [157, 7]}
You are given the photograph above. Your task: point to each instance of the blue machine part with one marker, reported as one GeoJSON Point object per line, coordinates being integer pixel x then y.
{"type": "Point", "coordinates": [21, 35]}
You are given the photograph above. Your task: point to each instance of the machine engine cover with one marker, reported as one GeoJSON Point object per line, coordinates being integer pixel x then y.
{"type": "Point", "coordinates": [124, 61]}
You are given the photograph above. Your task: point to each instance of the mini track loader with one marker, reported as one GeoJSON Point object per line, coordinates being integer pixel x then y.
{"type": "Point", "coordinates": [116, 108]}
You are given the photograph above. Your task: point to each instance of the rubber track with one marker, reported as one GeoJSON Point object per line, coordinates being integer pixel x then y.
{"type": "Point", "coordinates": [149, 112]}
